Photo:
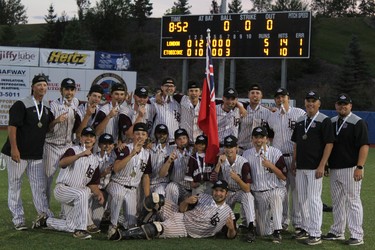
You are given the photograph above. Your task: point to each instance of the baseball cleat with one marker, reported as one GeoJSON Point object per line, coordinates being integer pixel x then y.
{"type": "Point", "coordinates": [20, 227]}
{"type": "Point", "coordinates": [82, 234]}
{"type": "Point", "coordinates": [331, 236]}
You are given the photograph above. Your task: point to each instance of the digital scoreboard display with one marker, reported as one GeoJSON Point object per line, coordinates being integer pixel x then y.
{"type": "Point", "coordinates": [246, 35]}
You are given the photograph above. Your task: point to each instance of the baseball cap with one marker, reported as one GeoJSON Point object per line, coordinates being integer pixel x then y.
{"type": "Point", "coordinates": [193, 85]}
{"type": "Point", "coordinates": [140, 126]}
{"type": "Point", "coordinates": [68, 83]}
{"type": "Point", "coordinates": [117, 87]}
{"type": "Point", "coordinates": [39, 78]}
{"type": "Point", "coordinates": [180, 132]}
{"type": "Point", "coordinates": [255, 87]}
{"type": "Point", "coordinates": [96, 88]}
{"type": "Point", "coordinates": [202, 139]}
{"type": "Point", "coordinates": [168, 80]}
{"type": "Point", "coordinates": [141, 92]}
{"type": "Point", "coordinates": [343, 98]}
{"type": "Point", "coordinates": [262, 131]}
{"type": "Point", "coordinates": [220, 184]}
{"type": "Point", "coordinates": [230, 141]}
{"type": "Point", "coordinates": [312, 95]}
{"type": "Point", "coordinates": [88, 131]}
{"type": "Point", "coordinates": [161, 128]}
{"type": "Point", "coordinates": [230, 92]}
{"type": "Point", "coordinates": [281, 91]}
{"type": "Point", "coordinates": [106, 138]}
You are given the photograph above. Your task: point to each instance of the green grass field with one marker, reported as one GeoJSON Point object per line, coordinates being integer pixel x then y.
{"type": "Point", "coordinates": [46, 239]}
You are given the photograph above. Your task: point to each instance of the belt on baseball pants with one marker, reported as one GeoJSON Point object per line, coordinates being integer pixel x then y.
{"type": "Point", "coordinates": [125, 186]}
{"type": "Point", "coordinates": [287, 155]}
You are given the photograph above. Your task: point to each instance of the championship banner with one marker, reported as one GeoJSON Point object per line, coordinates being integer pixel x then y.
{"type": "Point", "coordinates": [58, 58]}
{"type": "Point", "coordinates": [18, 56]}
{"type": "Point", "coordinates": [112, 61]}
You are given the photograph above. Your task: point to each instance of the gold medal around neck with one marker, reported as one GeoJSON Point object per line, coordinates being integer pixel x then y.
{"type": "Point", "coordinates": [133, 174]}
{"type": "Point", "coordinates": [40, 125]}
{"type": "Point", "coordinates": [304, 137]}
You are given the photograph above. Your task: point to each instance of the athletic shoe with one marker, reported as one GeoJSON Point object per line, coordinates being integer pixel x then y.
{"type": "Point", "coordinates": [355, 242]}
{"type": "Point", "coordinates": [250, 237]}
{"type": "Point", "coordinates": [276, 237]}
{"type": "Point", "coordinates": [92, 229]}
{"type": "Point", "coordinates": [297, 230]}
{"type": "Point", "coordinates": [331, 236]}
{"type": "Point", "coordinates": [302, 235]}
{"type": "Point", "coordinates": [81, 234]}
{"type": "Point", "coordinates": [113, 233]}
{"type": "Point", "coordinates": [312, 241]}
{"type": "Point", "coordinates": [20, 227]}
{"type": "Point", "coordinates": [41, 221]}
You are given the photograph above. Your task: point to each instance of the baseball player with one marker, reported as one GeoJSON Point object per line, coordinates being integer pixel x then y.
{"type": "Point", "coordinates": [313, 137]}
{"type": "Point", "coordinates": [159, 151]}
{"type": "Point", "coordinates": [268, 176]}
{"type": "Point", "coordinates": [235, 169]}
{"type": "Point", "coordinates": [209, 216]}
{"type": "Point", "coordinates": [77, 181]}
{"type": "Point", "coordinates": [257, 115]}
{"type": "Point", "coordinates": [133, 165]}
{"type": "Point", "coordinates": [59, 137]}
{"type": "Point", "coordinates": [176, 167]}
{"type": "Point", "coordinates": [139, 111]}
{"type": "Point", "coordinates": [107, 119]}
{"type": "Point", "coordinates": [282, 122]}
{"type": "Point", "coordinates": [29, 119]}
{"type": "Point", "coordinates": [228, 115]}
{"type": "Point", "coordinates": [86, 112]}
{"type": "Point", "coordinates": [346, 164]}
{"type": "Point", "coordinates": [198, 171]}
{"type": "Point", "coordinates": [168, 112]}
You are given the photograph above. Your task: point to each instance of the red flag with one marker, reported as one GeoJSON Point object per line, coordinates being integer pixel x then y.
{"type": "Point", "coordinates": [207, 120]}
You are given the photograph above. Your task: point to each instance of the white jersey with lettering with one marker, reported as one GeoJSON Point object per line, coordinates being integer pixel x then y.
{"type": "Point", "coordinates": [112, 127]}
{"type": "Point", "coordinates": [158, 155]}
{"type": "Point", "coordinates": [228, 122]}
{"type": "Point", "coordinates": [132, 114]}
{"type": "Point", "coordinates": [189, 118]}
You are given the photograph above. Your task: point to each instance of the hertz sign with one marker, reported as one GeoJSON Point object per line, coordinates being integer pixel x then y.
{"type": "Point", "coordinates": [67, 58]}
{"type": "Point", "coordinates": [60, 57]}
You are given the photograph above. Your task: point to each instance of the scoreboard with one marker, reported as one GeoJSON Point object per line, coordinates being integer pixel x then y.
{"type": "Point", "coordinates": [247, 35]}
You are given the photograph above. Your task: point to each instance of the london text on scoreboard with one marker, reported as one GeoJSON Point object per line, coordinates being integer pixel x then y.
{"type": "Point", "coordinates": [247, 35]}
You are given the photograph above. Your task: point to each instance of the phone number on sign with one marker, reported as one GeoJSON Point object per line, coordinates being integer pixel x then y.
{"type": "Point", "coordinates": [9, 94]}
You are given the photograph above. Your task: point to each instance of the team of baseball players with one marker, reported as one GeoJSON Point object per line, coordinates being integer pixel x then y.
{"type": "Point", "coordinates": [139, 163]}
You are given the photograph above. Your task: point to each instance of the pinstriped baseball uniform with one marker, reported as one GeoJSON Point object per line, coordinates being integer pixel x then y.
{"type": "Point", "coordinates": [178, 189]}
{"type": "Point", "coordinates": [169, 114]}
{"type": "Point", "coordinates": [283, 123]}
{"type": "Point", "coordinates": [81, 112]}
{"type": "Point", "coordinates": [158, 155]}
{"type": "Point", "coordinates": [228, 122]}
{"type": "Point", "coordinates": [72, 190]}
{"type": "Point", "coordinates": [189, 117]}
{"type": "Point", "coordinates": [255, 118]}
{"type": "Point", "coordinates": [205, 220]}
{"type": "Point", "coordinates": [30, 139]}
{"type": "Point", "coordinates": [59, 139]}
{"type": "Point", "coordinates": [236, 194]}
{"type": "Point", "coordinates": [345, 191]}
{"type": "Point", "coordinates": [199, 172]}
{"type": "Point", "coordinates": [113, 123]}
{"type": "Point", "coordinates": [309, 154]}
{"type": "Point", "coordinates": [123, 185]}
{"type": "Point", "coordinates": [267, 188]}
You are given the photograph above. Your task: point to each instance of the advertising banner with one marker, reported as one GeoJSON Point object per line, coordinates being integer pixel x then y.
{"type": "Point", "coordinates": [112, 61]}
{"type": "Point", "coordinates": [18, 56]}
{"type": "Point", "coordinates": [59, 58]}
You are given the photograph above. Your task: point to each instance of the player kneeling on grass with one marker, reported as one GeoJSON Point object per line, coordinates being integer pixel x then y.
{"type": "Point", "coordinates": [197, 217]}
{"type": "Point", "coordinates": [78, 179]}
{"type": "Point", "coordinates": [268, 175]}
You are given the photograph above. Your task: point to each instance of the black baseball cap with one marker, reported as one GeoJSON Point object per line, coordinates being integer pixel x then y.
{"type": "Point", "coordinates": [193, 85]}
{"type": "Point", "coordinates": [281, 91]}
{"type": "Point", "coordinates": [68, 83]}
{"type": "Point", "coordinates": [220, 184]}
{"type": "Point", "coordinates": [161, 128]}
{"type": "Point", "coordinates": [106, 138]}
{"type": "Point", "coordinates": [230, 92]}
{"type": "Point", "coordinates": [180, 132]}
{"type": "Point", "coordinates": [88, 131]}
{"type": "Point", "coordinates": [343, 98]}
{"type": "Point", "coordinates": [117, 87]}
{"type": "Point", "coordinates": [140, 126]}
{"type": "Point", "coordinates": [202, 139]}
{"type": "Point", "coordinates": [39, 78]}
{"type": "Point", "coordinates": [262, 131]}
{"type": "Point", "coordinates": [312, 95]}
{"type": "Point", "coordinates": [230, 141]}
{"type": "Point", "coordinates": [141, 92]}
{"type": "Point", "coordinates": [96, 88]}
{"type": "Point", "coordinates": [255, 87]}
{"type": "Point", "coordinates": [168, 80]}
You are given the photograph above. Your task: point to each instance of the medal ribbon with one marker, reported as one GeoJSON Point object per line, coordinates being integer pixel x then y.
{"type": "Point", "coordinates": [312, 120]}
{"type": "Point", "coordinates": [38, 112]}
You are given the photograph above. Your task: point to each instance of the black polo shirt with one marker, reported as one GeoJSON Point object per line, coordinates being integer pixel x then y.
{"type": "Point", "coordinates": [310, 150]}
{"type": "Point", "coordinates": [353, 135]}
{"type": "Point", "coordinates": [30, 138]}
